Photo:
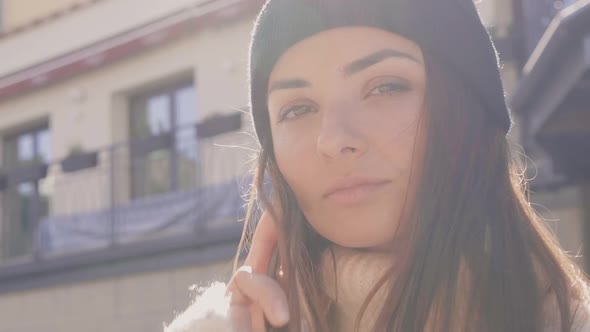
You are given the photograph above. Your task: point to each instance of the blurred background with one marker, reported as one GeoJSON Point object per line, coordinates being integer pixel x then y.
{"type": "Point", "coordinates": [125, 149]}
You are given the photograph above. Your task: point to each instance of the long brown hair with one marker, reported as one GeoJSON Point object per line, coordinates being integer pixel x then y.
{"type": "Point", "coordinates": [471, 222]}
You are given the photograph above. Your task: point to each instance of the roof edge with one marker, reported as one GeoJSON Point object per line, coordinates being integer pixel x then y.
{"type": "Point", "coordinates": [125, 44]}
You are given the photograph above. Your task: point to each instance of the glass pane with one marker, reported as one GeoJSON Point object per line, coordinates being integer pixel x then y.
{"type": "Point", "coordinates": [26, 193]}
{"type": "Point", "coordinates": [22, 148]}
{"type": "Point", "coordinates": [151, 174]}
{"type": "Point", "coordinates": [25, 147]}
{"type": "Point", "coordinates": [18, 229]}
{"type": "Point", "coordinates": [44, 145]}
{"type": "Point", "coordinates": [10, 154]}
{"type": "Point", "coordinates": [158, 114]}
{"type": "Point", "coordinates": [185, 100]}
{"type": "Point", "coordinates": [186, 117]}
{"type": "Point", "coordinates": [150, 116]}
{"type": "Point", "coordinates": [186, 140]}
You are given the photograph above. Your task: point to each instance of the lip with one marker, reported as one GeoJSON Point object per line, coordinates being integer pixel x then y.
{"type": "Point", "coordinates": [354, 189]}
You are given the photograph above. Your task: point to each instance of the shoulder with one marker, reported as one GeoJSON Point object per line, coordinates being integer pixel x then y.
{"type": "Point", "coordinates": [208, 312]}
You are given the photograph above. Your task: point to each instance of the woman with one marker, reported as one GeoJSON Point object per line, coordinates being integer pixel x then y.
{"type": "Point", "coordinates": [396, 205]}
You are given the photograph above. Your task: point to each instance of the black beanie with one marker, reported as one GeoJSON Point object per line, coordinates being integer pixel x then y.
{"type": "Point", "coordinates": [451, 30]}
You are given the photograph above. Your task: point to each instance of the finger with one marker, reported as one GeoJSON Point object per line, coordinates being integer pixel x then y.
{"type": "Point", "coordinates": [261, 250]}
{"type": "Point", "coordinates": [257, 319]}
{"type": "Point", "coordinates": [263, 291]}
{"type": "Point", "coordinates": [239, 301]}
{"type": "Point", "coordinates": [240, 319]}
{"type": "Point", "coordinates": [245, 312]}
{"type": "Point", "coordinates": [264, 242]}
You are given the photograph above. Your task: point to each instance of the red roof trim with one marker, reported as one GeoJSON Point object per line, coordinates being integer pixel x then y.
{"type": "Point", "coordinates": [101, 54]}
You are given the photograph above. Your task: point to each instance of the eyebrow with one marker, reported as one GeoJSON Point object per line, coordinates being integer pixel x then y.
{"type": "Point", "coordinates": [295, 83]}
{"type": "Point", "coordinates": [350, 69]}
{"type": "Point", "coordinates": [374, 58]}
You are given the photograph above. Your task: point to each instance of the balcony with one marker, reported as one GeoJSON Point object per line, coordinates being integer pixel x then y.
{"type": "Point", "coordinates": [535, 16]}
{"type": "Point", "coordinates": [135, 198]}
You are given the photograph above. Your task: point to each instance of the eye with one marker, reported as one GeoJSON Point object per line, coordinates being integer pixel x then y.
{"type": "Point", "coordinates": [295, 111]}
{"type": "Point", "coordinates": [389, 88]}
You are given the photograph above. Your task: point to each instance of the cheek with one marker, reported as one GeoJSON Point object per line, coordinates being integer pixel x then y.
{"type": "Point", "coordinates": [398, 148]}
{"type": "Point", "coordinates": [294, 157]}
{"type": "Point", "coordinates": [406, 151]}
{"type": "Point", "coordinates": [395, 134]}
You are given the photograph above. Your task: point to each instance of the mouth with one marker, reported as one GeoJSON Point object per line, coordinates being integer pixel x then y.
{"type": "Point", "coordinates": [352, 191]}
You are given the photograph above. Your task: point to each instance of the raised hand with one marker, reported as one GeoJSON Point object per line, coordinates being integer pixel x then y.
{"type": "Point", "coordinates": [256, 297]}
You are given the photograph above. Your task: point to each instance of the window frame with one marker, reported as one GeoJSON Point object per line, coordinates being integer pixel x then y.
{"type": "Point", "coordinates": [139, 100]}
{"type": "Point", "coordinates": [36, 195]}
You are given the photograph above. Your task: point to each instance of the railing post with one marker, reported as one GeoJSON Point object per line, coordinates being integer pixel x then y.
{"type": "Point", "coordinates": [35, 219]}
{"type": "Point", "coordinates": [111, 170]}
{"type": "Point", "coordinates": [174, 162]}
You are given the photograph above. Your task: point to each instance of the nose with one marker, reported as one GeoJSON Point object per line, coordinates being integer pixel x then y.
{"type": "Point", "coordinates": [339, 136]}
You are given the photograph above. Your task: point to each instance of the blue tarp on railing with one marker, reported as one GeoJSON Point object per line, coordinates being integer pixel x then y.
{"type": "Point", "coordinates": [172, 213]}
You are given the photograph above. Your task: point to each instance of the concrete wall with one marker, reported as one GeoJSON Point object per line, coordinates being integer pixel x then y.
{"type": "Point", "coordinates": [134, 303]}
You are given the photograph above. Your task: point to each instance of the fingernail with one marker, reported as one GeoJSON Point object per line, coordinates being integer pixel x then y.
{"type": "Point", "coordinates": [246, 268]}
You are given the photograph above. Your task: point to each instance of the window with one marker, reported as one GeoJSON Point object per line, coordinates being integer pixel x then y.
{"type": "Point", "coordinates": [166, 114]}
{"type": "Point", "coordinates": [25, 203]}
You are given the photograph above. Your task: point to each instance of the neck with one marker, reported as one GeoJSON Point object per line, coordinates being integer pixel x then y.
{"type": "Point", "coordinates": [349, 276]}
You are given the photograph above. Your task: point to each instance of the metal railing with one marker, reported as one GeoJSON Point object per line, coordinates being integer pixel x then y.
{"type": "Point", "coordinates": [178, 183]}
{"type": "Point", "coordinates": [537, 15]}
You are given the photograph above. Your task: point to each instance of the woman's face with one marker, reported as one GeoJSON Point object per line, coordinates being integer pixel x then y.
{"type": "Point", "coordinates": [344, 109]}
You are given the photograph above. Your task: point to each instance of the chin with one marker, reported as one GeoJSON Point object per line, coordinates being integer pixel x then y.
{"type": "Point", "coordinates": [349, 232]}
{"type": "Point", "coordinates": [357, 240]}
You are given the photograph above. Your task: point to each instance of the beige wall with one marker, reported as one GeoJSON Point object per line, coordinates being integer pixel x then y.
{"type": "Point", "coordinates": [21, 12]}
{"type": "Point", "coordinates": [495, 14]}
{"type": "Point", "coordinates": [134, 303]}
{"type": "Point", "coordinates": [90, 25]}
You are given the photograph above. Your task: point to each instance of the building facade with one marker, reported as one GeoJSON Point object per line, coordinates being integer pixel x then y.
{"type": "Point", "coordinates": [124, 153]}
{"type": "Point", "coordinates": [144, 99]}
